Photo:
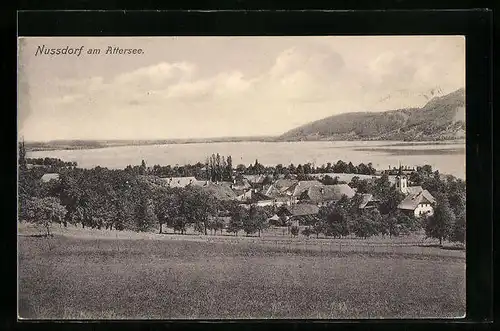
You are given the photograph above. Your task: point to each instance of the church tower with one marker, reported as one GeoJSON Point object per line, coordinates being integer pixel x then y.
{"type": "Point", "coordinates": [401, 181]}
{"type": "Point", "coordinates": [402, 184]}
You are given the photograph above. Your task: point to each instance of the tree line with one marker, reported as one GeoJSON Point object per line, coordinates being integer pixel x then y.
{"type": "Point", "coordinates": [49, 161]}
{"type": "Point", "coordinates": [220, 168]}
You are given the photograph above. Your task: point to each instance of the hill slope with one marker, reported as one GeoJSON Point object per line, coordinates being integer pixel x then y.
{"type": "Point", "coordinates": [442, 118]}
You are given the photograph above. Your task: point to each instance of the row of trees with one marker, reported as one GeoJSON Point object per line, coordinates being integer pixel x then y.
{"type": "Point", "coordinates": [306, 169]}
{"type": "Point", "coordinates": [49, 161]}
{"type": "Point", "coordinates": [117, 199]}
{"type": "Point", "coordinates": [220, 168]}
{"type": "Point", "coordinates": [345, 218]}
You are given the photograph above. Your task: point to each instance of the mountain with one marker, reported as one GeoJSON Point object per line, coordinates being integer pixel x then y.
{"type": "Point", "coordinates": [442, 118]}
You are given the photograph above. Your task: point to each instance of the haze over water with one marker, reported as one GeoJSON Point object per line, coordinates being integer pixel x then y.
{"type": "Point", "coordinates": [448, 158]}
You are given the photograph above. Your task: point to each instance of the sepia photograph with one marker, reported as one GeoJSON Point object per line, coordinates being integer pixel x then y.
{"type": "Point", "coordinates": [248, 177]}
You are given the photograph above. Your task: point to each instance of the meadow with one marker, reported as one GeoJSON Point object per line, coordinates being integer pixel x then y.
{"type": "Point", "coordinates": [71, 277]}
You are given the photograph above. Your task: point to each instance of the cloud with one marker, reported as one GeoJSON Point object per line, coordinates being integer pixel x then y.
{"type": "Point", "coordinates": [305, 82]}
{"type": "Point", "coordinates": [156, 75]}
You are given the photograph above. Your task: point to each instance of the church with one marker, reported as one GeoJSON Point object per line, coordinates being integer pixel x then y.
{"type": "Point", "coordinates": [418, 201]}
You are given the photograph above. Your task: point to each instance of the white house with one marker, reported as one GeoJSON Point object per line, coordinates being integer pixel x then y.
{"type": "Point", "coordinates": [420, 204]}
{"type": "Point", "coordinates": [417, 201]}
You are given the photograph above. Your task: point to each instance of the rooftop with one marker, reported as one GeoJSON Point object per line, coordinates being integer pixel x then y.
{"type": "Point", "coordinates": [412, 201]}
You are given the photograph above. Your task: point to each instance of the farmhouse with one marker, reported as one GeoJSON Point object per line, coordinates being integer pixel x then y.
{"type": "Point", "coordinates": [420, 204]}
{"type": "Point", "coordinates": [255, 180]}
{"type": "Point", "coordinates": [219, 191]}
{"type": "Point", "coordinates": [240, 184]}
{"type": "Point", "coordinates": [324, 194]}
{"type": "Point", "coordinates": [280, 188]}
{"type": "Point", "coordinates": [368, 201]}
{"type": "Point", "coordinates": [302, 186]}
{"type": "Point", "coordinates": [243, 195]}
{"type": "Point", "coordinates": [300, 214]}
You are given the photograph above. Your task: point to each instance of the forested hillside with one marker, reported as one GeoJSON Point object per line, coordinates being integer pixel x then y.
{"type": "Point", "coordinates": [442, 118]}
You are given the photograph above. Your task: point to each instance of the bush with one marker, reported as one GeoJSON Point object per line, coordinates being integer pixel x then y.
{"type": "Point", "coordinates": [294, 230]}
{"type": "Point", "coordinates": [307, 232]}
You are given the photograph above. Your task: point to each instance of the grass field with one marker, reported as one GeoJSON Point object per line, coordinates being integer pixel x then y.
{"type": "Point", "coordinates": [67, 277]}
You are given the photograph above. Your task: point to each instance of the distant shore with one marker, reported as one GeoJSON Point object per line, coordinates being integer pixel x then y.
{"type": "Point", "coordinates": [96, 144]}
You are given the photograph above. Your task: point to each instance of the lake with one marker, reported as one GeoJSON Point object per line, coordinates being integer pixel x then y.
{"type": "Point", "coordinates": [448, 157]}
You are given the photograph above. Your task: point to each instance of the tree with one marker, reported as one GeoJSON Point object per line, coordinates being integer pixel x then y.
{"type": "Point", "coordinates": [255, 221]}
{"type": "Point", "coordinates": [440, 224]}
{"type": "Point", "coordinates": [238, 214]}
{"type": "Point", "coordinates": [167, 206]}
{"type": "Point", "coordinates": [45, 211]}
{"type": "Point", "coordinates": [294, 230]}
{"type": "Point", "coordinates": [229, 169]}
{"type": "Point", "coordinates": [241, 168]}
{"type": "Point", "coordinates": [143, 168]}
{"type": "Point", "coordinates": [388, 225]}
{"type": "Point", "coordinates": [22, 156]}
{"type": "Point", "coordinates": [390, 198]}
{"type": "Point", "coordinates": [333, 220]}
{"type": "Point", "coordinates": [307, 232]}
{"type": "Point", "coordinates": [458, 233]}
{"type": "Point", "coordinates": [351, 169]}
{"type": "Point", "coordinates": [216, 223]}
{"type": "Point", "coordinates": [145, 216]}
{"type": "Point", "coordinates": [328, 180]}
{"type": "Point", "coordinates": [198, 206]}
{"type": "Point", "coordinates": [364, 226]}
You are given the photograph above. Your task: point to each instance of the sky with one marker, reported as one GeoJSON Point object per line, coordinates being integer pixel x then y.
{"type": "Point", "coordinates": [200, 87]}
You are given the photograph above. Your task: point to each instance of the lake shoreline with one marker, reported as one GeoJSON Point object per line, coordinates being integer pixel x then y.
{"type": "Point", "coordinates": [447, 157]}
{"type": "Point", "coordinates": [106, 144]}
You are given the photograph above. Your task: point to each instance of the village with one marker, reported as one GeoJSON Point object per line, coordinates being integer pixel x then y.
{"type": "Point", "coordinates": [302, 199]}
{"type": "Point", "coordinates": [294, 201]}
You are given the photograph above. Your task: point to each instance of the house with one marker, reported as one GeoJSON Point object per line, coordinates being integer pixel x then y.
{"type": "Point", "coordinates": [243, 195]}
{"type": "Point", "coordinates": [49, 176]}
{"type": "Point", "coordinates": [368, 201]}
{"type": "Point", "coordinates": [302, 186]}
{"type": "Point", "coordinates": [282, 189]}
{"type": "Point", "coordinates": [419, 204]}
{"type": "Point", "coordinates": [274, 219]}
{"type": "Point", "coordinates": [219, 191]}
{"type": "Point", "coordinates": [178, 181]}
{"type": "Point", "coordinates": [325, 194]}
{"type": "Point", "coordinates": [255, 180]}
{"type": "Point", "coordinates": [241, 184]}
{"type": "Point", "coordinates": [300, 214]}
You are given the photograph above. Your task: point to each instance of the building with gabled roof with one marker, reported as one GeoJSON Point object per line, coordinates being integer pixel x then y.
{"type": "Point", "coordinates": [325, 194]}
{"type": "Point", "coordinates": [280, 188]}
{"type": "Point", "coordinates": [301, 213]}
{"type": "Point", "coordinates": [368, 201]}
{"type": "Point", "coordinates": [302, 186]}
{"type": "Point", "coordinates": [419, 204]}
{"type": "Point", "coordinates": [221, 192]}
